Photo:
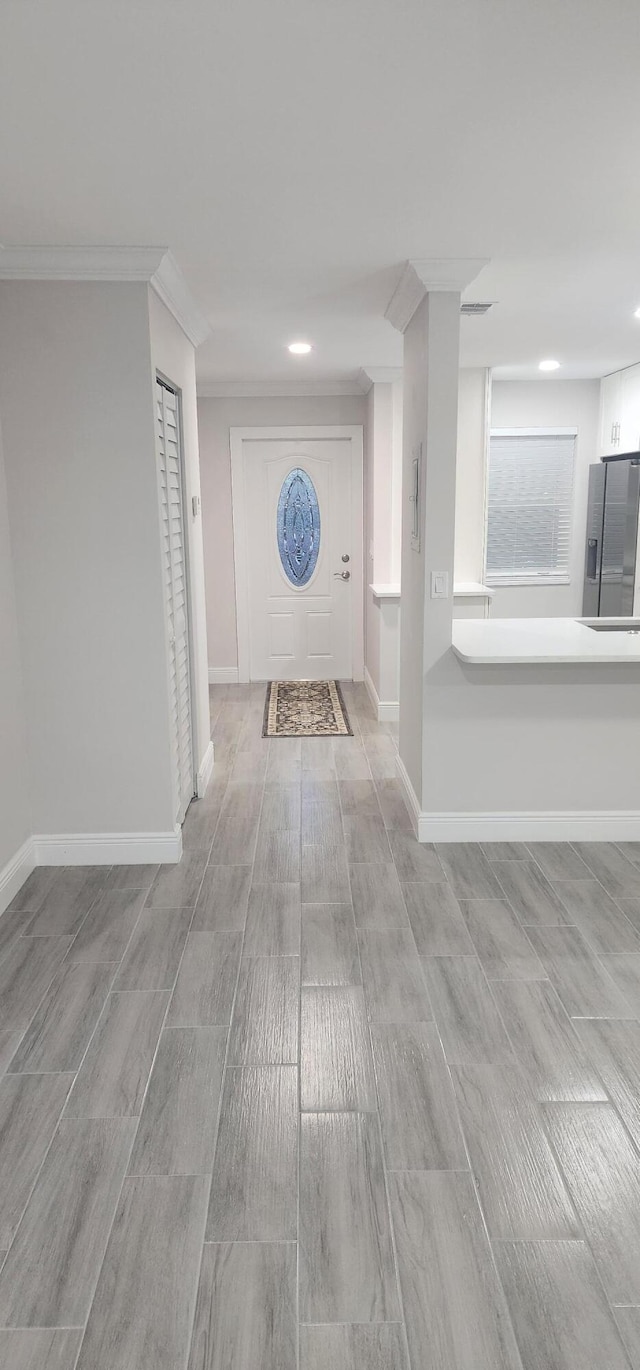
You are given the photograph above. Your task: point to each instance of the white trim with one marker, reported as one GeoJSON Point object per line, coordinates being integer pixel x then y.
{"type": "Point", "coordinates": [550, 826]}
{"type": "Point", "coordinates": [569, 826]}
{"type": "Point", "coordinates": [387, 710]}
{"type": "Point", "coordinates": [15, 872]}
{"type": "Point", "coordinates": [220, 390]}
{"type": "Point", "coordinates": [555, 432]}
{"type": "Point", "coordinates": [223, 675]}
{"type": "Point", "coordinates": [425, 275]}
{"type": "Point", "coordinates": [371, 689]}
{"type": "Point", "coordinates": [69, 263]}
{"type": "Point", "coordinates": [500, 582]}
{"type": "Point", "coordinates": [107, 848]}
{"type": "Point", "coordinates": [297, 433]}
{"type": "Point", "coordinates": [378, 375]}
{"type": "Point", "coordinates": [205, 771]}
{"type": "Point", "coordinates": [153, 264]}
{"type": "Point", "coordinates": [408, 793]}
{"type": "Point", "coordinates": [170, 286]}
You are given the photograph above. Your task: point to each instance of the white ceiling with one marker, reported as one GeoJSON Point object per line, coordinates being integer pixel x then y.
{"type": "Point", "coordinates": [293, 154]}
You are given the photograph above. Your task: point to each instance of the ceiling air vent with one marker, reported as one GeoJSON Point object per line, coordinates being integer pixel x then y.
{"type": "Point", "coordinates": [475, 307]}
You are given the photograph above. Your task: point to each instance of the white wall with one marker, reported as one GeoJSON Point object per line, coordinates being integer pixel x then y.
{"type": "Point", "coordinates": [371, 609]}
{"type": "Point", "coordinates": [507, 750]}
{"type": "Point", "coordinates": [174, 356]}
{"type": "Point", "coordinates": [473, 406]}
{"type": "Point", "coordinates": [509, 740]}
{"type": "Point", "coordinates": [544, 404]}
{"type": "Point", "coordinates": [215, 418]}
{"type": "Point", "coordinates": [383, 539]}
{"type": "Point", "coordinates": [15, 817]}
{"type": "Point", "coordinates": [430, 404]}
{"type": "Point", "coordinates": [78, 427]}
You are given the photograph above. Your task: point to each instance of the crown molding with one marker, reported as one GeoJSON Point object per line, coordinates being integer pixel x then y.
{"type": "Point", "coordinates": [69, 263]}
{"type": "Point", "coordinates": [155, 265]}
{"type": "Point", "coordinates": [424, 275]}
{"type": "Point", "coordinates": [374, 375]}
{"type": "Point", "coordinates": [227, 390]}
{"type": "Point", "coordinates": [170, 286]}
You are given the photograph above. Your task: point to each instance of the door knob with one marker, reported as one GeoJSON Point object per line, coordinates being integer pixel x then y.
{"type": "Point", "coordinates": [342, 575]}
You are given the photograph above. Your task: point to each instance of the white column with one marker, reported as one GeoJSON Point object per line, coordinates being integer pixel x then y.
{"type": "Point", "coordinates": [426, 308]}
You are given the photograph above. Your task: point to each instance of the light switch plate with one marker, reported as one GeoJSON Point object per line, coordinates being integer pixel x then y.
{"type": "Point", "coordinates": [439, 584]}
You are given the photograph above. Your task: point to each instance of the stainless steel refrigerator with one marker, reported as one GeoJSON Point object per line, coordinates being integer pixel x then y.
{"type": "Point", "coordinates": [612, 538]}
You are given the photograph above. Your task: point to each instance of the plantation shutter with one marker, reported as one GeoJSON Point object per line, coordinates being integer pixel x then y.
{"type": "Point", "coordinates": [175, 589]}
{"type": "Point", "coordinates": [529, 505]}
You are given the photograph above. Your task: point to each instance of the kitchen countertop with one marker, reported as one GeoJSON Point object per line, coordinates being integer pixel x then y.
{"type": "Point", "coordinates": [385, 591]}
{"type": "Point", "coordinates": [469, 589]}
{"type": "Point", "coordinates": [513, 641]}
{"type": "Point", "coordinates": [463, 589]}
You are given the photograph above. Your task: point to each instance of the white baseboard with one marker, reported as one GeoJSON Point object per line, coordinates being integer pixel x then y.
{"type": "Point", "coordinates": [223, 675]}
{"type": "Point", "coordinates": [567, 826]}
{"type": "Point", "coordinates": [87, 849]}
{"type": "Point", "coordinates": [409, 795]}
{"type": "Point", "coordinates": [205, 771]}
{"type": "Point", "coordinates": [15, 872]}
{"type": "Point", "coordinates": [387, 710]}
{"type": "Point", "coordinates": [371, 690]}
{"type": "Point", "coordinates": [107, 848]}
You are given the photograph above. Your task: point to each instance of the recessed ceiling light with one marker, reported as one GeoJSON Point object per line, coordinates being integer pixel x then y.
{"type": "Point", "coordinates": [299, 348]}
{"type": "Point", "coordinates": [636, 314]}
{"type": "Point", "coordinates": [549, 365]}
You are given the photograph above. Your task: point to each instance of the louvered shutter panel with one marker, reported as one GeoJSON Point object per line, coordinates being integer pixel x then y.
{"type": "Point", "coordinates": [529, 505]}
{"type": "Point", "coordinates": [175, 587]}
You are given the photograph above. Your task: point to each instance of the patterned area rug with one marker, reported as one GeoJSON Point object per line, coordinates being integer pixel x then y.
{"type": "Point", "coordinates": [305, 708]}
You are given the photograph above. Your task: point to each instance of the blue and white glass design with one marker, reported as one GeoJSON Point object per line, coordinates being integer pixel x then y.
{"type": "Point", "coordinates": [298, 527]}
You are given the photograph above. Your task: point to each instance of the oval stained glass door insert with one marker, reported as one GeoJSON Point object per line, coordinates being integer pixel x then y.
{"type": "Point", "coordinates": [298, 527]}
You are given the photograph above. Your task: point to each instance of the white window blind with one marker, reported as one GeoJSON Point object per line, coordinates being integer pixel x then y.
{"type": "Point", "coordinates": [529, 505]}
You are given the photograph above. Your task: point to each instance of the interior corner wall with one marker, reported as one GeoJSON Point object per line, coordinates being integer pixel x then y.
{"type": "Point", "coordinates": [173, 355]}
{"type": "Point", "coordinates": [215, 419]}
{"type": "Point", "coordinates": [15, 815]}
{"type": "Point", "coordinates": [547, 404]}
{"type": "Point", "coordinates": [79, 446]}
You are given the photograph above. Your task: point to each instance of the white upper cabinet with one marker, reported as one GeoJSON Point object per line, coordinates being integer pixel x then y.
{"type": "Point", "coordinates": [630, 410]}
{"type": "Point", "coordinates": [620, 412]}
{"type": "Point", "coordinates": [610, 414]}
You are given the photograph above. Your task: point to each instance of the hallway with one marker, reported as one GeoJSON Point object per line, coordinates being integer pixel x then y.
{"type": "Point", "coordinates": [452, 1179]}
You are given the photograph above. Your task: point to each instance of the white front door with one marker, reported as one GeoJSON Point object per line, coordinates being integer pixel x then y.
{"type": "Point", "coordinates": [302, 514]}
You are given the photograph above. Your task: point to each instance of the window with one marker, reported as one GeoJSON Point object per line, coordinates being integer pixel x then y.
{"type": "Point", "coordinates": [529, 505]}
{"type": "Point", "coordinates": [298, 527]}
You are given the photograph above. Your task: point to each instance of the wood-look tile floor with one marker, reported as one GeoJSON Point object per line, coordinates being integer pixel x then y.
{"type": "Point", "coordinates": [320, 1098]}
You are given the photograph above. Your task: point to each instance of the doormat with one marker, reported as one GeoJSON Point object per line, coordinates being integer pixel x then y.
{"type": "Point", "coordinates": [305, 708]}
